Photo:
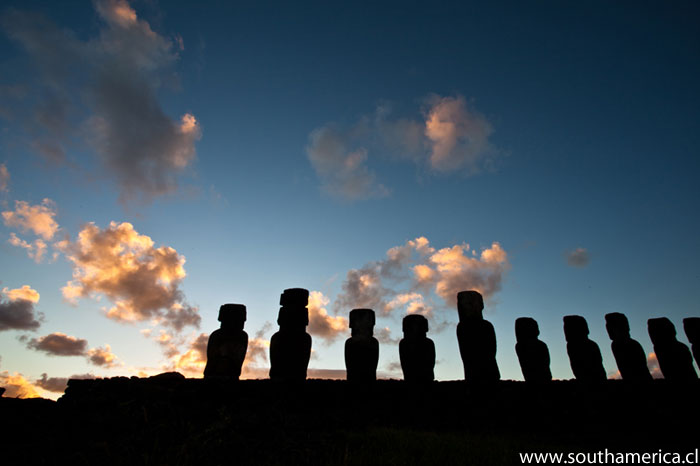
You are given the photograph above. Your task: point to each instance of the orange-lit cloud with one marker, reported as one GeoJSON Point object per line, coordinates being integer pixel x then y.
{"type": "Point", "coordinates": [192, 362]}
{"type": "Point", "coordinates": [4, 178]}
{"type": "Point", "coordinates": [459, 137]}
{"type": "Point", "coordinates": [17, 386]}
{"type": "Point", "coordinates": [35, 250]}
{"type": "Point", "coordinates": [102, 357]}
{"type": "Point", "coordinates": [653, 365]}
{"type": "Point", "coordinates": [141, 280]}
{"type": "Point", "coordinates": [38, 219]}
{"type": "Point", "coordinates": [25, 292]}
{"type": "Point", "coordinates": [445, 272]}
{"type": "Point", "coordinates": [119, 13]}
{"type": "Point", "coordinates": [450, 137]}
{"type": "Point", "coordinates": [17, 312]}
{"type": "Point", "coordinates": [58, 384]}
{"type": "Point", "coordinates": [255, 365]}
{"type": "Point", "coordinates": [320, 323]}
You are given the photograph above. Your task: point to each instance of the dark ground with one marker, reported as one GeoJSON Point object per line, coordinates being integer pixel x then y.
{"type": "Point", "coordinates": [177, 421]}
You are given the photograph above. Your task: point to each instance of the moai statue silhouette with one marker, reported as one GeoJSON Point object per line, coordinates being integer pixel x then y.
{"type": "Point", "coordinates": [675, 360]}
{"type": "Point", "coordinates": [532, 352]}
{"type": "Point", "coordinates": [691, 325]}
{"type": "Point", "coordinates": [227, 345]}
{"type": "Point", "coordinates": [477, 339]}
{"type": "Point", "coordinates": [416, 350]}
{"type": "Point", "coordinates": [361, 349]}
{"type": "Point", "coordinates": [290, 347]}
{"type": "Point", "coordinates": [629, 354]}
{"type": "Point", "coordinates": [584, 354]}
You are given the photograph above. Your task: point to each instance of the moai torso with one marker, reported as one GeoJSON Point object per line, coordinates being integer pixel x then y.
{"type": "Point", "coordinates": [584, 354]}
{"type": "Point", "coordinates": [416, 350]}
{"type": "Point", "coordinates": [290, 347]}
{"type": "Point", "coordinates": [533, 353]}
{"type": "Point", "coordinates": [228, 345]}
{"type": "Point", "coordinates": [691, 325]}
{"type": "Point", "coordinates": [477, 339]}
{"type": "Point", "coordinates": [629, 354]}
{"type": "Point", "coordinates": [675, 360]}
{"type": "Point", "coordinates": [361, 349]}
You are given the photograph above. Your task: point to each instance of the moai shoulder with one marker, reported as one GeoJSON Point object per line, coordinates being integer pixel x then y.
{"type": "Point", "coordinates": [533, 353]}
{"type": "Point", "coordinates": [691, 325]}
{"type": "Point", "coordinates": [416, 350]}
{"type": "Point", "coordinates": [361, 349]}
{"type": "Point", "coordinates": [290, 347]}
{"type": "Point", "coordinates": [584, 354]}
{"type": "Point", "coordinates": [227, 346]}
{"type": "Point", "coordinates": [629, 354]}
{"type": "Point", "coordinates": [477, 339]}
{"type": "Point", "coordinates": [675, 360]}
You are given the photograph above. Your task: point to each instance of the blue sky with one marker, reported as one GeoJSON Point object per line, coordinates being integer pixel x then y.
{"type": "Point", "coordinates": [277, 145]}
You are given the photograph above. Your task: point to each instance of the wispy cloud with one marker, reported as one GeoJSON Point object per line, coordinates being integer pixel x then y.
{"type": "Point", "coordinates": [141, 280]}
{"type": "Point", "coordinates": [4, 178]}
{"type": "Point", "coordinates": [578, 257]}
{"type": "Point", "coordinates": [103, 91]}
{"type": "Point", "coordinates": [450, 137]}
{"type": "Point", "coordinates": [37, 219]}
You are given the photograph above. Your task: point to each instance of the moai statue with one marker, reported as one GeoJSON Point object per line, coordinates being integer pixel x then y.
{"type": "Point", "coordinates": [227, 345]}
{"type": "Point", "coordinates": [629, 355]}
{"type": "Point", "coordinates": [416, 350]}
{"type": "Point", "coordinates": [675, 360]}
{"type": "Point", "coordinates": [290, 347]}
{"type": "Point", "coordinates": [477, 339]}
{"type": "Point", "coordinates": [584, 354]}
{"type": "Point", "coordinates": [532, 352]}
{"type": "Point", "coordinates": [691, 325]}
{"type": "Point", "coordinates": [361, 349]}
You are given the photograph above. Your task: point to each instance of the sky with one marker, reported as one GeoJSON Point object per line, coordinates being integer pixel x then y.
{"type": "Point", "coordinates": [159, 159]}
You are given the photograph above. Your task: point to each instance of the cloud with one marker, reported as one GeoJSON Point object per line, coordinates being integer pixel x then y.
{"type": "Point", "coordinates": [341, 166]}
{"type": "Point", "coordinates": [578, 257]}
{"type": "Point", "coordinates": [320, 323]}
{"type": "Point", "coordinates": [107, 87]}
{"type": "Point", "coordinates": [39, 219]}
{"type": "Point", "coordinates": [445, 272]}
{"type": "Point", "coordinates": [141, 280]}
{"type": "Point", "coordinates": [256, 356]}
{"type": "Point", "coordinates": [4, 178]}
{"type": "Point", "coordinates": [192, 362]}
{"type": "Point", "coordinates": [653, 365]}
{"type": "Point", "coordinates": [58, 384]}
{"type": "Point", "coordinates": [102, 357]}
{"type": "Point", "coordinates": [383, 335]}
{"type": "Point", "coordinates": [35, 250]}
{"type": "Point", "coordinates": [17, 312]}
{"type": "Point", "coordinates": [450, 137]}
{"type": "Point", "coordinates": [17, 386]}
{"type": "Point", "coordinates": [458, 137]}
{"type": "Point", "coordinates": [329, 374]}
{"type": "Point", "coordinates": [59, 344]}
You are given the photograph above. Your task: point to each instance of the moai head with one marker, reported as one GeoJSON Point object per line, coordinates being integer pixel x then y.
{"type": "Point", "coordinates": [232, 316]}
{"type": "Point", "coordinates": [617, 325]}
{"type": "Point", "coordinates": [294, 297]}
{"type": "Point", "coordinates": [575, 328]}
{"type": "Point", "coordinates": [661, 330]}
{"type": "Point", "coordinates": [362, 322]}
{"type": "Point", "coordinates": [470, 304]}
{"type": "Point", "coordinates": [691, 325]}
{"type": "Point", "coordinates": [293, 313]}
{"type": "Point", "coordinates": [526, 329]}
{"type": "Point", "coordinates": [415, 326]}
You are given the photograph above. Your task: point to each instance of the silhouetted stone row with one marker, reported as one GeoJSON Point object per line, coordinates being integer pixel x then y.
{"type": "Point", "coordinates": [290, 347]}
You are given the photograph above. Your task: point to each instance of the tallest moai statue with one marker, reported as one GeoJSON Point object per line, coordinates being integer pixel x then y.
{"type": "Point", "coordinates": [477, 339]}
{"type": "Point", "coordinates": [290, 347]}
